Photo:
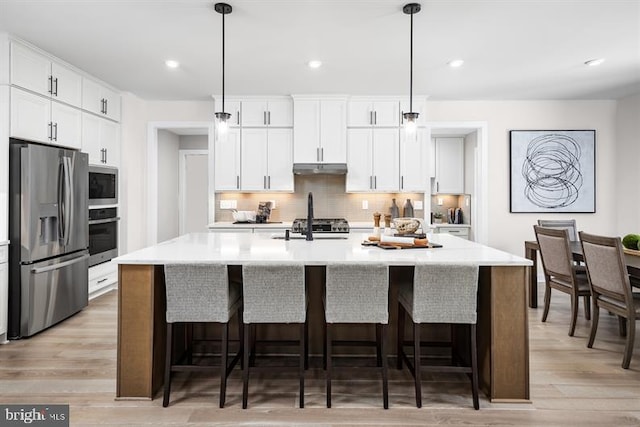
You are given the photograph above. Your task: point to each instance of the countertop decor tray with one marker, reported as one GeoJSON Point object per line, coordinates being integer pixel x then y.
{"type": "Point", "coordinates": [631, 252]}
{"type": "Point", "coordinates": [400, 245]}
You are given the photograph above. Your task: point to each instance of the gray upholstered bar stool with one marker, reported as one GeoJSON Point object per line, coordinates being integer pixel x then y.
{"type": "Point", "coordinates": [274, 293]}
{"type": "Point", "coordinates": [200, 293]}
{"type": "Point", "coordinates": [357, 293]}
{"type": "Point", "coordinates": [440, 293]}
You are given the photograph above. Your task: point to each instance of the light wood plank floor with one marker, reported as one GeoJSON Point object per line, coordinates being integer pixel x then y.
{"type": "Point", "coordinates": [74, 363]}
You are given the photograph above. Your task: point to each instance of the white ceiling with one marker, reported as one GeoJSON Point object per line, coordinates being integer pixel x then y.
{"type": "Point", "coordinates": [515, 49]}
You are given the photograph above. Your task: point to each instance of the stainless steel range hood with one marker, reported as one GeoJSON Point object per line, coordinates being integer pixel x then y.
{"type": "Point", "coordinates": [319, 168]}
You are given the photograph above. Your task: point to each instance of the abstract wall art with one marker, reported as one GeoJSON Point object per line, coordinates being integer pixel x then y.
{"type": "Point", "coordinates": [553, 171]}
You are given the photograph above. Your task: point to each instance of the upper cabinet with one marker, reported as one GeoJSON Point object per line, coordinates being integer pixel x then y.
{"type": "Point", "coordinates": [373, 160]}
{"type": "Point", "coordinates": [449, 165]}
{"type": "Point", "coordinates": [227, 161]}
{"type": "Point", "coordinates": [414, 161]}
{"type": "Point", "coordinates": [320, 130]}
{"type": "Point", "coordinates": [100, 100]}
{"type": "Point", "coordinates": [266, 112]}
{"type": "Point", "coordinates": [266, 160]}
{"type": "Point", "coordinates": [38, 73]}
{"type": "Point", "coordinates": [380, 113]}
{"type": "Point", "coordinates": [37, 118]}
{"type": "Point", "coordinates": [101, 140]}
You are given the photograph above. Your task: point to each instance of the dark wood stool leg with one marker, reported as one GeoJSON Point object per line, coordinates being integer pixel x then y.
{"type": "Point", "coordinates": [416, 364]}
{"type": "Point", "coordinates": [385, 383]}
{"type": "Point", "coordinates": [245, 372]}
{"type": "Point", "coordinates": [303, 360]}
{"type": "Point", "coordinates": [253, 330]}
{"type": "Point", "coordinates": [241, 338]}
{"type": "Point", "coordinates": [306, 343]}
{"type": "Point", "coordinates": [378, 345]}
{"type": "Point", "coordinates": [400, 343]}
{"type": "Point", "coordinates": [224, 342]}
{"type": "Point", "coordinates": [167, 365]}
{"type": "Point", "coordinates": [328, 362]}
{"type": "Point", "coordinates": [324, 345]}
{"type": "Point", "coordinates": [474, 367]}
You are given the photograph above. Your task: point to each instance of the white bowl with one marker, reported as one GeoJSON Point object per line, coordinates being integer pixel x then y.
{"type": "Point", "coordinates": [244, 216]}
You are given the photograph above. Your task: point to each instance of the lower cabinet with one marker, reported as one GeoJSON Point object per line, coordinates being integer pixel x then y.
{"type": "Point", "coordinates": [4, 292]}
{"type": "Point", "coordinates": [454, 231]}
{"type": "Point", "coordinates": [102, 278]}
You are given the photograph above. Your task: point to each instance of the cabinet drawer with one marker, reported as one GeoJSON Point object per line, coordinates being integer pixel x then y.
{"type": "Point", "coordinates": [456, 231]}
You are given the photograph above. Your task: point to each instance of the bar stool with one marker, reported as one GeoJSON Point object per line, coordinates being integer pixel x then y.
{"type": "Point", "coordinates": [200, 293]}
{"type": "Point", "coordinates": [440, 293]}
{"type": "Point", "coordinates": [357, 293]}
{"type": "Point", "coordinates": [274, 293]}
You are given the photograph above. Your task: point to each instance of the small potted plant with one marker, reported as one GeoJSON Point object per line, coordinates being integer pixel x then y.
{"type": "Point", "coordinates": [437, 218]}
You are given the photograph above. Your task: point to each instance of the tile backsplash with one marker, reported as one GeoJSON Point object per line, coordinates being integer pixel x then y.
{"type": "Point", "coordinates": [329, 201]}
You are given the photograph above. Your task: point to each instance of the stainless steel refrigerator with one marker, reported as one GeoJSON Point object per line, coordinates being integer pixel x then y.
{"type": "Point", "coordinates": [49, 236]}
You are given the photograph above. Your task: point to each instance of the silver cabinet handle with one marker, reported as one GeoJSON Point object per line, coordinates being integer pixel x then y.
{"type": "Point", "coordinates": [53, 267]}
{"type": "Point", "coordinates": [49, 130]}
{"type": "Point", "coordinates": [322, 154]}
{"type": "Point", "coordinates": [102, 280]}
{"type": "Point", "coordinates": [375, 117]}
{"type": "Point", "coordinates": [238, 182]}
{"type": "Point", "coordinates": [54, 134]}
{"type": "Point", "coordinates": [264, 117]}
{"type": "Point", "coordinates": [238, 118]}
{"type": "Point", "coordinates": [50, 85]}
{"type": "Point", "coordinates": [402, 182]}
{"type": "Point", "coordinates": [370, 117]}
{"type": "Point", "coordinates": [371, 182]}
{"type": "Point", "coordinates": [106, 106]}
{"type": "Point", "coordinates": [105, 156]}
{"type": "Point", "coordinates": [437, 187]}
{"type": "Point", "coordinates": [268, 117]}
{"type": "Point", "coordinates": [375, 182]}
{"type": "Point", "coordinates": [269, 182]}
{"type": "Point", "coordinates": [318, 154]}
{"type": "Point", "coordinates": [55, 91]}
{"type": "Point", "coordinates": [264, 182]}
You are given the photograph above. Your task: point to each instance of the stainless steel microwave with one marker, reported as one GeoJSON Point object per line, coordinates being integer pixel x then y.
{"type": "Point", "coordinates": [103, 185]}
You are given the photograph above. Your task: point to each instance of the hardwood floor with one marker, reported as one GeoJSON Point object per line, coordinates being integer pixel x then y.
{"type": "Point", "coordinates": [74, 363]}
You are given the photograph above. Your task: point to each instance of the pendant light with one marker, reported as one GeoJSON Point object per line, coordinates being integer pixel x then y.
{"type": "Point", "coordinates": [222, 117]}
{"type": "Point", "coordinates": [411, 117]}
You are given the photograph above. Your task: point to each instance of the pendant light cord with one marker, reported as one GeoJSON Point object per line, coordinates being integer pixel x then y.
{"type": "Point", "coordinates": [223, 62]}
{"type": "Point", "coordinates": [410, 66]}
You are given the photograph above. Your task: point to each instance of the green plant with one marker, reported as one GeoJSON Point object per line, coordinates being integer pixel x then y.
{"type": "Point", "coordinates": [631, 241]}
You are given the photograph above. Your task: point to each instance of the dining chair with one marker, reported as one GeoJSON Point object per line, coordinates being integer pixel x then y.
{"type": "Point", "coordinates": [201, 293]}
{"type": "Point", "coordinates": [274, 293]}
{"type": "Point", "coordinates": [610, 286]}
{"type": "Point", "coordinates": [357, 293]}
{"type": "Point", "coordinates": [440, 294]}
{"type": "Point", "coordinates": [561, 224]}
{"type": "Point", "coordinates": [560, 272]}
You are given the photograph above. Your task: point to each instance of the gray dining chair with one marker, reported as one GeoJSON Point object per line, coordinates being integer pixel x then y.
{"type": "Point", "coordinates": [274, 293]}
{"type": "Point", "coordinates": [201, 293]}
{"type": "Point", "coordinates": [439, 294]}
{"type": "Point", "coordinates": [560, 273]}
{"type": "Point", "coordinates": [561, 224]}
{"type": "Point", "coordinates": [357, 293]}
{"type": "Point", "coordinates": [610, 286]}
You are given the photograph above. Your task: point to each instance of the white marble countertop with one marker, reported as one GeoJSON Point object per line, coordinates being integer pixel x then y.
{"type": "Point", "coordinates": [449, 225]}
{"type": "Point", "coordinates": [236, 248]}
{"type": "Point", "coordinates": [223, 224]}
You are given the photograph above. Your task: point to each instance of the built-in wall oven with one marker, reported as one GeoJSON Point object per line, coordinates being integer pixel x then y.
{"type": "Point", "coordinates": [103, 235]}
{"type": "Point", "coordinates": [103, 185]}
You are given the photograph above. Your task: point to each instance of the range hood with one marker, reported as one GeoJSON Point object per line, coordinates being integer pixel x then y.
{"type": "Point", "coordinates": [319, 168]}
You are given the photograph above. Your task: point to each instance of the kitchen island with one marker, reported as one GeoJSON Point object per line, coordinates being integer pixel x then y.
{"type": "Point", "coordinates": [503, 343]}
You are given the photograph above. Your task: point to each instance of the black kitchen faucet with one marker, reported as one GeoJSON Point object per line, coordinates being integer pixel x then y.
{"type": "Point", "coordinates": [310, 217]}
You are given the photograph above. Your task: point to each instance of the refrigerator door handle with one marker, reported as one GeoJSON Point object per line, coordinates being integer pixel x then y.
{"type": "Point", "coordinates": [65, 200]}
{"type": "Point", "coordinates": [39, 270]}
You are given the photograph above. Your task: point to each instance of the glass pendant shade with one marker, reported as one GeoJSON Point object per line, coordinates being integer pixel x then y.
{"type": "Point", "coordinates": [222, 124]}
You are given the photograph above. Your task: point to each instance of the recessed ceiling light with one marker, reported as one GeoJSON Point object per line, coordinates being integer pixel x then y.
{"type": "Point", "coordinates": [594, 62]}
{"type": "Point", "coordinates": [314, 64]}
{"type": "Point", "coordinates": [455, 63]}
{"type": "Point", "coordinates": [171, 63]}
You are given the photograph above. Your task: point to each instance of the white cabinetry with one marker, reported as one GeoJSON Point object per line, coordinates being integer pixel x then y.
{"type": "Point", "coordinates": [4, 292]}
{"type": "Point", "coordinates": [102, 278]}
{"type": "Point", "coordinates": [372, 160]}
{"type": "Point", "coordinates": [227, 161]}
{"type": "Point", "coordinates": [454, 231]}
{"type": "Point", "coordinates": [101, 140]}
{"type": "Point", "coordinates": [266, 160]}
{"type": "Point", "coordinates": [266, 112]}
{"type": "Point", "coordinates": [364, 113]}
{"type": "Point", "coordinates": [449, 155]}
{"type": "Point", "coordinates": [40, 119]}
{"type": "Point", "coordinates": [35, 72]}
{"type": "Point", "coordinates": [100, 100]}
{"type": "Point", "coordinates": [320, 131]}
{"type": "Point", "coordinates": [414, 161]}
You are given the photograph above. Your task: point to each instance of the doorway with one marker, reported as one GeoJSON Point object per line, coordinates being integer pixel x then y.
{"type": "Point", "coordinates": [193, 207]}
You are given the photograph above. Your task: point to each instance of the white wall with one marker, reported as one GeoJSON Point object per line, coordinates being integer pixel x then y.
{"type": "Point", "coordinates": [506, 231]}
{"type": "Point", "coordinates": [628, 165]}
{"type": "Point", "coordinates": [136, 114]}
{"type": "Point", "coordinates": [194, 142]}
{"type": "Point", "coordinates": [168, 188]}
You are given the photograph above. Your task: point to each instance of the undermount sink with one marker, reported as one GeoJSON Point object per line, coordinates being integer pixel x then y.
{"type": "Point", "coordinates": [316, 236]}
